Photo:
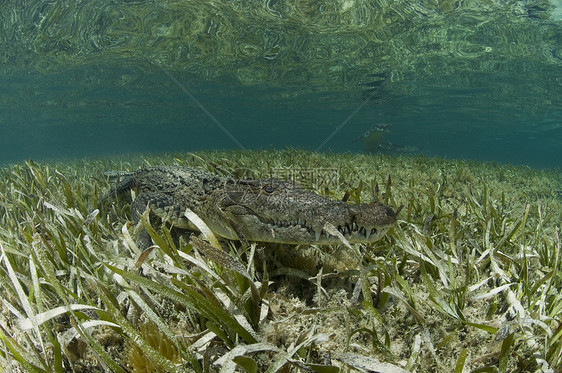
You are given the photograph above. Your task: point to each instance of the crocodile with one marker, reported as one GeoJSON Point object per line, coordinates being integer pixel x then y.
{"type": "Point", "coordinates": [268, 210]}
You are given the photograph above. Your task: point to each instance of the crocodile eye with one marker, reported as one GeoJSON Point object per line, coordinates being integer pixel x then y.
{"type": "Point", "coordinates": [269, 189]}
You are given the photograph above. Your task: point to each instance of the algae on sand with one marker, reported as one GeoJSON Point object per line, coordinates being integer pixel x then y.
{"type": "Point", "coordinates": [469, 276]}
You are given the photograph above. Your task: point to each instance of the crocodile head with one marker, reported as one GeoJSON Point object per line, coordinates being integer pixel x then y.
{"type": "Point", "coordinates": [280, 211]}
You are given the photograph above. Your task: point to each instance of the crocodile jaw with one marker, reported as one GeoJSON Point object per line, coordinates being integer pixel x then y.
{"type": "Point", "coordinates": [284, 231]}
{"type": "Point", "coordinates": [282, 212]}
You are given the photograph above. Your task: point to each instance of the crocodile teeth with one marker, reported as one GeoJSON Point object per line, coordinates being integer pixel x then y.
{"type": "Point", "coordinates": [367, 233]}
{"type": "Point", "coordinates": [317, 233]}
{"type": "Point", "coordinates": [354, 227]}
{"type": "Point", "coordinates": [290, 223]}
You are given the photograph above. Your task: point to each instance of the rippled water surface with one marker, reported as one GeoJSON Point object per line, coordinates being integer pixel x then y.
{"type": "Point", "coordinates": [478, 81]}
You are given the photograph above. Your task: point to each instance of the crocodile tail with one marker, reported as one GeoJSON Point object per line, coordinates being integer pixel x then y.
{"type": "Point", "coordinates": [125, 182]}
{"type": "Point", "coordinates": [112, 175]}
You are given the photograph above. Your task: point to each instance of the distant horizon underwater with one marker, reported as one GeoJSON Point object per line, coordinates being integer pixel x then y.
{"type": "Point", "coordinates": [463, 81]}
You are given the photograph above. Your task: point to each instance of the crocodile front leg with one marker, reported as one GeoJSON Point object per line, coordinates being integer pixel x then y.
{"type": "Point", "coordinates": [162, 208]}
{"type": "Point", "coordinates": [141, 203]}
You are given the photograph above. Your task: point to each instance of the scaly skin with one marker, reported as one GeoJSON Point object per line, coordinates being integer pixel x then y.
{"type": "Point", "coordinates": [254, 210]}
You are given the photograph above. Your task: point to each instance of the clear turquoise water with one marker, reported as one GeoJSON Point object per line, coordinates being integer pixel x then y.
{"type": "Point", "coordinates": [509, 111]}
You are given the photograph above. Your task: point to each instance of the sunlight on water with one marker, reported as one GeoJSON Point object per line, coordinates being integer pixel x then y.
{"type": "Point", "coordinates": [557, 11]}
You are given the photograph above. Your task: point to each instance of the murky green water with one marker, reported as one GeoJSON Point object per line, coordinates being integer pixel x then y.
{"type": "Point", "coordinates": [477, 80]}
